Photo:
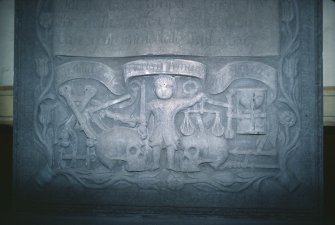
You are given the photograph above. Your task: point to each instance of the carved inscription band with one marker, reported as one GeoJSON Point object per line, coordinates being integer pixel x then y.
{"type": "Point", "coordinates": [175, 27]}
{"type": "Point", "coordinates": [164, 66]}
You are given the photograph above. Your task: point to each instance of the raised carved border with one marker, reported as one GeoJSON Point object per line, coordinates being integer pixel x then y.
{"type": "Point", "coordinates": [45, 84]}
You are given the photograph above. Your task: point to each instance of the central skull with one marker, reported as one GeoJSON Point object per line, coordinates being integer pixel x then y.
{"type": "Point", "coordinates": [135, 157]}
{"type": "Point", "coordinates": [195, 149]}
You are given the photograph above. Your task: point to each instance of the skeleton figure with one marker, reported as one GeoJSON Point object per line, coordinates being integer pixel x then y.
{"type": "Point", "coordinates": [164, 109]}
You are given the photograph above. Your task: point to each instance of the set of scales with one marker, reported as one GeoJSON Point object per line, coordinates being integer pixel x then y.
{"type": "Point", "coordinates": [193, 130]}
{"type": "Point", "coordinates": [181, 68]}
{"type": "Point", "coordinates": [187, 127]}
{"type": "Point", "coordinates": [193, 73]}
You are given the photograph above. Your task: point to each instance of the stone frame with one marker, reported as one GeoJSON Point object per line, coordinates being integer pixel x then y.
{"type": "Point", "coordinates": [24, 39]}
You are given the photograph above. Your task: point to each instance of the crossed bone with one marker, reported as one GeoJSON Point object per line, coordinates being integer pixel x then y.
{"type": "Point", "coordinates": [79, 112]}
{"type": "Point", "coordinates": [90, 92]}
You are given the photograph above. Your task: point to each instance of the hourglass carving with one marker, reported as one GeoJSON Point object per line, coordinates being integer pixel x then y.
{"type": "Point", "coordinates": [169, 119]}
{"type": "Point", "coordinates": [251, 114]}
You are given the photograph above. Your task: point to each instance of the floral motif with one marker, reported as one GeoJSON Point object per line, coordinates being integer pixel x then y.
{"type": "Point", "coordinates": [287, 118]}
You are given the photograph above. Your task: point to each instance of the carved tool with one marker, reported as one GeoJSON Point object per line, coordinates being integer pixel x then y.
{"type": "Point", "coordinates": [110, 103]}
{"type": "Point", "coordinates": [89, 93]}
{"type": "Point", "coordinates": [65, 91]}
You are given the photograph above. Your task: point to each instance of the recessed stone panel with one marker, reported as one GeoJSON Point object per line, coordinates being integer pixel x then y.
{"type": "Point", "coordinates": [178, 27]}
{"type": "Point", "coordinates": [168, 107]}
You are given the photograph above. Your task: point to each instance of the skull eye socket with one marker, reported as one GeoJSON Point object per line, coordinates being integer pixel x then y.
{"type": "Point", "coordinates": [133, 150]}
{"type": "Point", "coordinates": [192, 150]}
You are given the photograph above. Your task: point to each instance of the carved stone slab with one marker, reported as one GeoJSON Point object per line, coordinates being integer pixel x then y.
{"type": "Point", "coordinates": [168, 107]}
{"type": "Point", "coordinates": [181, 27]}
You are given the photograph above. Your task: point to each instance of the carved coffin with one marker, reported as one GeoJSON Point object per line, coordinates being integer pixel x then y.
{"type": "Point", "coordinates": [168, 107]}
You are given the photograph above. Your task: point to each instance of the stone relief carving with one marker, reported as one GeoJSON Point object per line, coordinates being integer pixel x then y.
{"type": "Point", "coordinates": [168, 122]}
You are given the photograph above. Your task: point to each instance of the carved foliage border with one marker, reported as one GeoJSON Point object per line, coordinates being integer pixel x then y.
{"type": "Point", "coordinates": [289, 93]}
{"type": "Point", "coordinates": [288, 96]}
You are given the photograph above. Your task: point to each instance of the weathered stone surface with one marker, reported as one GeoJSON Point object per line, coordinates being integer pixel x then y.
{"type": "Point", "coordinates": [181, 27]}
{"type": "Point", "coordinates": [113, 117]}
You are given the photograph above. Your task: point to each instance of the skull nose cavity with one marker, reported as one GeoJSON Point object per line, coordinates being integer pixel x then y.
{"type": "Point", "coordinates": [133, 150]}
{"type": "Point", "coordinates": [192, 150]}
